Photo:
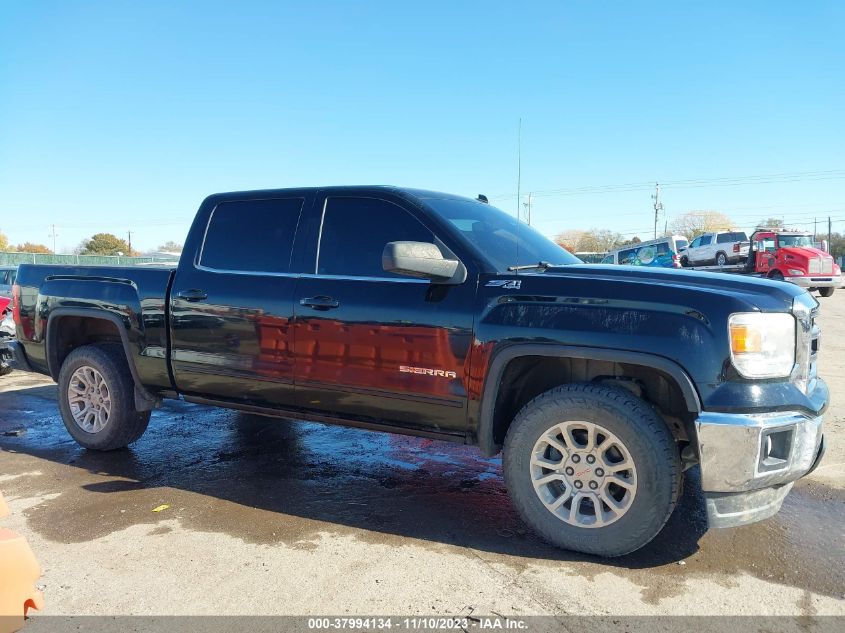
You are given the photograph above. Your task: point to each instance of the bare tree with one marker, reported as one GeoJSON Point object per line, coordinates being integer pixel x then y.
{"type": "Point", "coordinates": [598, 241]}
{"type": "Point", "coordinates": [569, 239]}
{"type": "Point", "coordinates": [694, 223]}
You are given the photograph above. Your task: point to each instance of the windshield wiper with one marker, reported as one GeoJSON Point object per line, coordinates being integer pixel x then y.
{"type": "Point", "coordinates": [540, 265]}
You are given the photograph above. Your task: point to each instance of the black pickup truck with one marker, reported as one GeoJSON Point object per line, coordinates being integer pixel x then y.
{"type": "Point", "coordinates": [430, 314]}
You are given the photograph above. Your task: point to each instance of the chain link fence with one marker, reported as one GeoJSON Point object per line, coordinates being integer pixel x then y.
{"type": "Point", "coordinates": [14, 259]}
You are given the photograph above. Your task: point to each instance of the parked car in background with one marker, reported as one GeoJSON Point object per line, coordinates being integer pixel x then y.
{"type": "Point", "coordinates": [7, 330]}
{"type": "Point", "coordinates": [662, 252]}
{"type": "Point", "coordinates": [7, 280]}
{"type": "Point", "coordinates": [720, 248]}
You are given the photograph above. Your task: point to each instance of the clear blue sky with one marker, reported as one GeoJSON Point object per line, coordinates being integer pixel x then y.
{"type": "Point", "coordinates": [119, 116]}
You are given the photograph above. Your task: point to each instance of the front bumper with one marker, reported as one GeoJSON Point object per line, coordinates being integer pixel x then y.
{"type": "Point", "coordinates": [750, 461]}
{"type": "Point", "coordinates": [816, 281]}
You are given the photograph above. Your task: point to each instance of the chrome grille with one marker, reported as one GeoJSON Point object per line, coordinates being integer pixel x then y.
{"type": "Point", "coordinates": [806, 343]}
{"type": "Point", "coordinates": [815, 266]}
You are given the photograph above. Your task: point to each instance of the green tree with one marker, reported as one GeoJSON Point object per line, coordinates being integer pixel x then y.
{"type": "Point", "coordinates": [4, 242]}
{"type": "Point", "coordinates": [105, 244]}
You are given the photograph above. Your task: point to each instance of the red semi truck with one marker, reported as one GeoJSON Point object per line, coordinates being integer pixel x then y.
{"type": "Point", "coordinates": [787, 256]}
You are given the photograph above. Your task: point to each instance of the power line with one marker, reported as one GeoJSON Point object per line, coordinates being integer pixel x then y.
{"type": "Point", "coordinates": [831, 174]}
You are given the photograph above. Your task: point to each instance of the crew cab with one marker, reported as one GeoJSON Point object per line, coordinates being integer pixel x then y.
{"type": "Point", "coordinates": [720, 248]}
{"type": "Point", "coordinates": [436, 315]}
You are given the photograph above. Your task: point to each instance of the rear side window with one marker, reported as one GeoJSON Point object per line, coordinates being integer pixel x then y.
{"type": "Point", "coordinates": [252, 235]}
{"type": "Point", "coordinates": [355, 232]}
{"type": "Point", "coordinates": [705, 240]}
{"type": "Point", "coordinates": [724, 238]}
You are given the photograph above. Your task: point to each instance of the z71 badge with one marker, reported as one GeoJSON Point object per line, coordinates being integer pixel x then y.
{"type": "Point", "coordinates": [507, 284]}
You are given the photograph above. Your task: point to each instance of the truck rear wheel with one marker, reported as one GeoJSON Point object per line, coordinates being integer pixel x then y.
{"type": "Point", "coordinates": [97, 398]}
{"type": "Point", "coordinates": [826, 292]}
{"type": "Point", "coordinates": [592, 468]}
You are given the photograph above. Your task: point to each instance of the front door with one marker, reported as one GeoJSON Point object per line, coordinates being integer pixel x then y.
{"type": "Point", "coordinates": [231, 307]}
{"type": "Point", "coordinates": [764, 247]}
{"type": "Point", "coordinates": [373, 344]}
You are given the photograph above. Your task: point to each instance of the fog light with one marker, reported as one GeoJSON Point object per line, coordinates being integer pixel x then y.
{"type": "Point", "coordinates": [775, 449]}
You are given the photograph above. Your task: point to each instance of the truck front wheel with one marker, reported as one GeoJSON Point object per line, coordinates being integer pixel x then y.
{"type": "Point", "coordinates": [96, 398]}
{"type": "Point", "coordinates": [592, 468]}
{"type": "Point", "coordinates": [826, 292]}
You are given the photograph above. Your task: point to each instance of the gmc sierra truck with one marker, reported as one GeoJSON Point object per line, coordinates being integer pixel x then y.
{"type": "Point", "coordinates": [430, 314]}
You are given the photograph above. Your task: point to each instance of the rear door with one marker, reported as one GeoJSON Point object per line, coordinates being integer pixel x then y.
{"type": "Point", "coordinates": [231, 307]}
{"type": "Point", "coordinates": [373, 344]}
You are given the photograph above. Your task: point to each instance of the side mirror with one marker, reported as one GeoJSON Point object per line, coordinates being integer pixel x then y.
{"type": "Point", "coordinates": [419, 259]}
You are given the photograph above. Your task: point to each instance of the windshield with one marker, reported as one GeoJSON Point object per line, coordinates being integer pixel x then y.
{"type": "Point", "coordinates": [795, 240]}
{"type": "Point", "coordinates": [496, 235]}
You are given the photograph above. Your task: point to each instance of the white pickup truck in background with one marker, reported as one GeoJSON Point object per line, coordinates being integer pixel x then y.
{"type": "Point", "coordinates": [720, 248]}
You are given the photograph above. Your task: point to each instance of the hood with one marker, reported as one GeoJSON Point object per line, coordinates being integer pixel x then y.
{"type": "Point", "coordinates": [804, 252]}
{"type": "Point", "coordinates": [664, 284]}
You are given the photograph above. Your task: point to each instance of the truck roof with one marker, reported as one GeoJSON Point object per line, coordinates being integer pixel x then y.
{"type": "Point", "coordinates": [339, 189]}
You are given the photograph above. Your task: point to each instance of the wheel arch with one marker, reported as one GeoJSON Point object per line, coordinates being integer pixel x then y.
{"type": "Point", "coordinates": [103, 327]}
{"type": "Point", "coordinates": [493, 420]}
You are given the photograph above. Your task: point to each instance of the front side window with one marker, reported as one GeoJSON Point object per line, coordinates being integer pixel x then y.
{"type": "Point", "coordinates": [252, 235]}
{"type": "Point", "coordinates": [705, 240]}
{"type": "Point", "coordinates": [607, 260]}
{"type": "Point", "coordinates": [628, 256]}
{"type": "Point", "coordinates": [355, 232]}
{"type": "Point", "coordinates": [695, 243]}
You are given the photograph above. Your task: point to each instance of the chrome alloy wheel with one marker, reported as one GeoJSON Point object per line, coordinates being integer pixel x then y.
{"type": "Point", "coordinates": [583, 474]}
{"type": "Point", "coordinates": [89, 399]}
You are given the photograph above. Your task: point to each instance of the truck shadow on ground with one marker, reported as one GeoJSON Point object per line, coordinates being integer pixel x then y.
{"type": "Point", "coordinates": [275, 481]}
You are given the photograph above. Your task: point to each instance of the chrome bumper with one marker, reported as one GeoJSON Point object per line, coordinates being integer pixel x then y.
{"type": "Point", "coordinates": [816, 281]}
{"type": "Point", "coordinates": [749, 461]}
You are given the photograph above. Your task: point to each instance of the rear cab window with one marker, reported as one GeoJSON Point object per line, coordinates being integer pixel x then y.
{"type": "Point", "coordinates": [251, 235]}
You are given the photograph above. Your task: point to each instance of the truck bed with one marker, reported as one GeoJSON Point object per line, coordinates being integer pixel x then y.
{"type": "Point", "coordinates": [133, 301]}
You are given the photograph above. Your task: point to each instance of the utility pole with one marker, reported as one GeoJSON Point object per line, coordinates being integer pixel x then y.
{"type": "Point", "coordinates": [829, 234]}
{"type": "Point", "coordinates": [53, 235]}
{"type": "Point", "coordinates": [658, 206]}
{"type": "Point", "coordinates": [129, 233]}
{"type": "Point", "coordinates": [814, 229]}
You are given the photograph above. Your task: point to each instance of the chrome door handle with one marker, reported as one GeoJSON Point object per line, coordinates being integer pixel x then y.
{"type": "Point", "coordinates": [194, 294]}
{"type": "Point", "coordinates": [320, 303]}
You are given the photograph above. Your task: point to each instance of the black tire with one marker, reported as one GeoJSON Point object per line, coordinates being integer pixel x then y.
{"type": "Point", "coordinates": [684, 261]}
{"type": "Point", "coordinates": [721, 259]}
{"type": "Point", "coordinates": [125, 424]}
{"type": "Point", "coordinates": [776, 275]}
{"type": "Point", "coordinates": [5, 369]}
{"type": "Point", "coordinates": [826, 292]}
{"type": "Point", "coordinates": [644, 434]}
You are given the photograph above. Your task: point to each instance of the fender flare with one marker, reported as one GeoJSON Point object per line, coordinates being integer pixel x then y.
{"type": "Point", "coordinates": [144, 400]}
{"type": "Point", "coordinates": [501, 359]}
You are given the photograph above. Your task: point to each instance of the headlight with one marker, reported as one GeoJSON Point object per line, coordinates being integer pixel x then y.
{"type": "Point", "coordinates": [795, 273]}
{"type": "Point", "coordinates": [762, 344]}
